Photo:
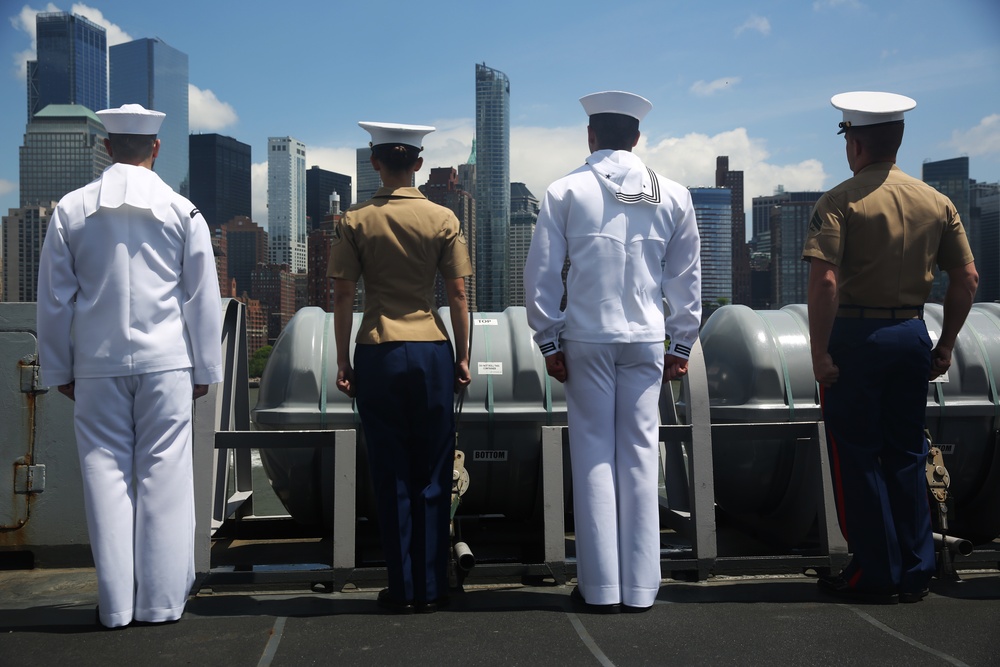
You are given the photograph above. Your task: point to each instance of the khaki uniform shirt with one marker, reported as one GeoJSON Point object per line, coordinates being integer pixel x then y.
{"type": "Point", "coordinates": [885, 230]}
{"type": "Point", "coordinates": [398, 241]}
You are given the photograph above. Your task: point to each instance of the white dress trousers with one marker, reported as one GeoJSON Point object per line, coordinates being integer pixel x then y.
{"type": "Point", "coordinates": [133, 436]}
{"type": "Point", "coordinates": [612, 397]}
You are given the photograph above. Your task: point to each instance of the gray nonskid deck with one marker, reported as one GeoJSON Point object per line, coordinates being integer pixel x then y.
{"type": "Point", "coordinates": [47, 618]}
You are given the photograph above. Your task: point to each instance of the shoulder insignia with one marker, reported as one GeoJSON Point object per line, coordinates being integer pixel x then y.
{"type": "Point", "coordinates": [193, 213]}
{"type": "Point", "coordinates": [816, 223]}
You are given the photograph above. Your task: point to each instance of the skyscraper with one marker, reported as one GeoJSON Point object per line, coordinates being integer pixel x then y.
{"type": "Point", "coordinates": [21, 240]}
{"type": "Point", "coordinates": [713, 208]}
{"type": "Point", "coordinates": [246, 247]}
{"type": "Point", "coordinates": [320, 184]}
{"type": "Point", "coordinates": [220, 178]}
{"type": "Point", "coordinates": [443, 187]}
{"type": "Point", "coordinates": [63, 150]}
{"type": "Point", "coordinates": [368, 178]}
{"type": "Point", "coordinates": [71, 66]}
{"type": "Point", "coordinates": [951, 178]}
{"type": "Point", "coordinates": [152, 73]}
{"type": "Point", "coordinates": [984, 211]}
{"type": "Point", "coordinates": [523, 216]}
{"type": "Point", "coordinates": [492, 188]}
{"type": "Point", "coordinates": [286, 202]}
{"type": "Point", "coordinates": [733, 180]}
{"type": "Point", "coordinates": [789, 224]}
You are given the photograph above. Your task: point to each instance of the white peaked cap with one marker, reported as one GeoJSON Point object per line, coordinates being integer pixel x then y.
{"type": "Point", "coordinates": [396, 133]}
{"type": "Point", "coordinates": [616, 101]}
{"type": "Point", "coordinates": [867, 108]}
{"type": "Point", "coordinates": [131, 119]}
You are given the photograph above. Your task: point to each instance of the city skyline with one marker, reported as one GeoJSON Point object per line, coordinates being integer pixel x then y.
{"type": "Point", "coordinates": [750, 81]}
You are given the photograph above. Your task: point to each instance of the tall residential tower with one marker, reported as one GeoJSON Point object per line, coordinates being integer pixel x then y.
{"type": "Point", "coordinates": [286, 202]}
{"type": "Point", "coordinates": [492, 188]}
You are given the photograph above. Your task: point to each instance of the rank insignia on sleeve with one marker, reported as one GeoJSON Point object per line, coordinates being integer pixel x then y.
{"type": "Point", "coordinates": [815, 224]}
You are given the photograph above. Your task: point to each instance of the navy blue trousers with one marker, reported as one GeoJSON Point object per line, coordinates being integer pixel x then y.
{"type": "Point", "coordinates": [405, 400]}
{"type": "Point", "coordinates": [875, 415]}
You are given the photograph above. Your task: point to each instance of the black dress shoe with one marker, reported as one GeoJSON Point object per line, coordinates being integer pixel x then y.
{"type": "Point", "coordinates": [393, 605]}
{"type": "Point", "coordinates": [629, 609]}
{"type": "Point", "coordinates": [432, 606]}
{"type": "Point", "coordinates": [839, 588]}
{"type": "Point", "coordinates": [909, 597]}
{"type": "Point", "coordinates": [576, 597]}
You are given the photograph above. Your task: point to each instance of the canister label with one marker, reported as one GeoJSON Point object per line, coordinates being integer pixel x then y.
{"type": "Point", "coordinates": [490, 368]}
{"type": "Point", "coordinates": [490, 455]}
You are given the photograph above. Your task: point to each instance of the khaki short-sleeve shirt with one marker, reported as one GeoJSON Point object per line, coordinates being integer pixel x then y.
{"type": "Point", "coordinates": [398, 241]}
{"type": "Point", "coordinates": [885, 231]}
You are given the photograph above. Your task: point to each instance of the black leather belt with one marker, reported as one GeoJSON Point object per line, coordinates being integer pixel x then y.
{"type": "Point", "coordinates": [873, 313]}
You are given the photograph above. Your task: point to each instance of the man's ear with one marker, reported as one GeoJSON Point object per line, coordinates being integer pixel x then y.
{"type": "Point", "coordinates": [156, 147]}
{"type": "Point", "coordinates": [107, 147]}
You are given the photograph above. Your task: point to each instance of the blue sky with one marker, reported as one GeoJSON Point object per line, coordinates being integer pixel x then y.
{"type": "Point", "coordinates": [747, 79]}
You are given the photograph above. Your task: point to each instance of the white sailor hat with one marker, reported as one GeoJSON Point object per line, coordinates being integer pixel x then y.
{"type": "Point", "coordinates": [131, 119]}
{"type": "Point", "coordinates": [616, 101]}
{"type": "Point", "coordinates": [396, 133]}
{"type": "Point", "coordinates": [863, 108]}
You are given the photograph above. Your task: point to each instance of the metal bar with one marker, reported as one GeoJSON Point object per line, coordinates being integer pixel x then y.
{"type": "Point", "coordinates": [553, 509]}
{"type": "Point", "coordinates": [275, 439]}
{"type": "Point", "coordinates": [696, 398]}
{"type": "Point", "coordinates": [345, 475]}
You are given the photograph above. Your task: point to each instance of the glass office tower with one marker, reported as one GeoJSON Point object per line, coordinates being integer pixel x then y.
{"type": "Point", "coordinates": [951, 178]}
{"type": "Point", "coordinates": [714, 209]}
{"type": "Point", "coordinates": [63, 150]}
{"type": "Point", "coordinates": [71, 66]}
{"type": "Point", "coordinates": [220, 178]}
{"type": "Point", "coordinates": [320, 184]}
{"type": "Point", "coordinates": [154, 74]}
{"type": "Point", "coordinates": [492, 188]}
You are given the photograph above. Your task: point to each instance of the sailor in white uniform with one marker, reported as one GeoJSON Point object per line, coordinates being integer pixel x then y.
{"type": "Point", "coordinates": [129, 326]}
{"type": "Point", "coordinates": [632, 240]}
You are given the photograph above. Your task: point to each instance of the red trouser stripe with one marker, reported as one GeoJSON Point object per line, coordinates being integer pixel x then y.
{"type": "Point", "coordinates": [838, 482]}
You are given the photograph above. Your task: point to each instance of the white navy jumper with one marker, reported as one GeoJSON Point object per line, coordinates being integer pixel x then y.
{"type": "Point", "coordinates": [129, 310]}
{"type": "Point", "coordinates": [632, 241]}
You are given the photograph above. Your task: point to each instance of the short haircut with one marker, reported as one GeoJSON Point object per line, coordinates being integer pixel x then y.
{"type": "Point", "coordinates": [615, 131]}
{"type": "Point", "coordinates": [397, 157]}
{"type": "Point", "coordinates": [131, 147]}
{"type": "Point", "coordinates": [881, 141]}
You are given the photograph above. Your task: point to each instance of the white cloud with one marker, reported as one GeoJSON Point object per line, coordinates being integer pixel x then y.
{"type": "Point", "coordinates": [540, 155]}
{"type": "Point", "coordinates": [24, 21]}
{"type": "Point", "coordinates": [115, 34]}
{"type": "Point", "coordinates": [6, 187]}
{"type": "Point", "coordinates": [758, 23]}
{"type": "Point", "coordinates": [206, 113]}
{"type": "Point", "coordinates": [983, 139]}
{"type": "Point", "coordinates": [690, 160]}
{"type": "Point", "coordinates": [704, 89]}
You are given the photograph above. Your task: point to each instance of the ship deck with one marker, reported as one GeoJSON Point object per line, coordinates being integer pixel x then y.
{"type": "Point", "coordinates": [47, 618]}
